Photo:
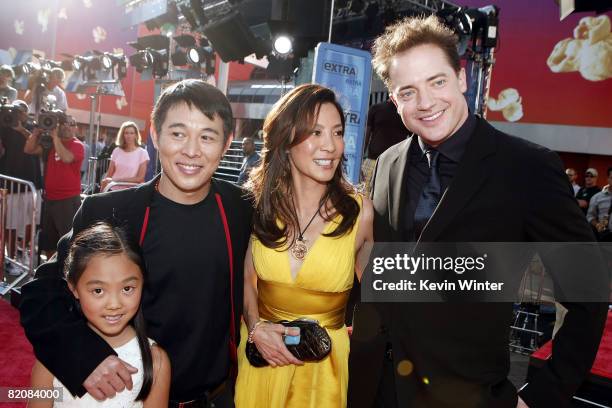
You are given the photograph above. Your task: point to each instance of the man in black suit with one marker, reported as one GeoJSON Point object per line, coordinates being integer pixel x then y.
{"type": "Point", "coordinates": [193, 231]}
{"type": "Point", "coordinates": [460, 180]}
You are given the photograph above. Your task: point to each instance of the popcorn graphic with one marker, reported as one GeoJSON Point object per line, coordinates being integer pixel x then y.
{"type": "Point", "coordinates": [43, 19]}
{"type": "Point", "coordinates": [99, 34]}
{"type": "Point", "coordinates": [589, 52]}
{"type": "Point", "coordinates": [81, 96]}
{"type": "Point", "coordinates": [121, 103]}
{"type": "Point", "coordinates": [19, 26]}
{"type": "Point", "coordinates": [593, 29]}
{"type": "Point", "coordinates": [596, 61]}
{"type": "Point", "coordinates": [509, 102]}
{"type": "Point", "coordinates": [87, 3]}
{"type": "Point", "coordinates": [63, 14]}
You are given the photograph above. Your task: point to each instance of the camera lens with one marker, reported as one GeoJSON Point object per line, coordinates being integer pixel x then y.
{"type": "Point", "coordinates": [47, 122]}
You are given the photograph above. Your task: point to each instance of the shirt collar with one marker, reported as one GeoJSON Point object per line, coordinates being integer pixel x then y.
{"type": "Point", "coordinates": [454, 147]}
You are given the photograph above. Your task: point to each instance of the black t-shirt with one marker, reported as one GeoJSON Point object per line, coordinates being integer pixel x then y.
{"type": "Point", "coordinates": [586, 193]}
{"type": "Point", "coordinates": [186, 301]}
{"type": "Point", "coordinates": [15, 162]}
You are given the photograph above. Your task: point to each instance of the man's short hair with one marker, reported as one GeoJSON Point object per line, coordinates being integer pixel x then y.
{"type": "Point", "coordinates": [6, 70]}
{"type": "Point", "coordinates": [609, 171]}
{"type": "Point", "coordinates": [195, 93]}
{"type": "Point", "coordinates": [409, 33]}
{"type": "Point", "coordinates": [58, 73]}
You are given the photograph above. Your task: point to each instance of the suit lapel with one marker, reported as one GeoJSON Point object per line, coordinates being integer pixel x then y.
{"type": "Point", "coordinates": [397, 187]}
{"type": "Point", "coordinates": [471, 174]}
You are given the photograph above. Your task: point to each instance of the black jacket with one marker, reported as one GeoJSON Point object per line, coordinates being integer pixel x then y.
{"type": "Point", "coordinates": [505, 190]}
{"type": "Point", "coordinates": [61, 339]}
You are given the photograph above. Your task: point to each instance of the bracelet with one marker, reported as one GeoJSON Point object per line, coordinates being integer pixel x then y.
{"type": "Point", "coordinates": [252, 332]}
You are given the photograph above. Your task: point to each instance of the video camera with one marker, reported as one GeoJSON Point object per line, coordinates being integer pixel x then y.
{"type": "Point", "coordinates": [50, 119]}
{"type": "Point", "coordinates": [47, 121]}
{"type": "Point", "coordinates": [9, 114]}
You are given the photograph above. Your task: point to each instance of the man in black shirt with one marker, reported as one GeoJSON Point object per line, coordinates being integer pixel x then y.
{"type": "Point", "coordinates": [460, 180]}
{"type": "Point", "coordinates": [193, 231]}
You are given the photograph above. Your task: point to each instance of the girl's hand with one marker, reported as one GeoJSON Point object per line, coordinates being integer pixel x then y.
{"type": "Point", "coordinates": [268, 338]}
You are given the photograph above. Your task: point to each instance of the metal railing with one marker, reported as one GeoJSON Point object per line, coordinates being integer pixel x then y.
{"type": "Point", "coordinates": [19, 213]}
{"type": "Point", "coordinates": [96, 170]}
{"type": "Point", "coordinates": [121, 184]}
{"type": "Point", "coordinates": [229, 168]}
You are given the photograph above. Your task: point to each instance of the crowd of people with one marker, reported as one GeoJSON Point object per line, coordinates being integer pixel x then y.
{"type": "Point", "coordinates": [594, 201]}
{"type": "Point", "coordinates": [189, 291]}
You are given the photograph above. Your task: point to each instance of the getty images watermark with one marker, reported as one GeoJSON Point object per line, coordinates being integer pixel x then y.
{"type": "Point", "coordinates": [411, 264]}
{"type": "Point", "coordinates": [486, 272]}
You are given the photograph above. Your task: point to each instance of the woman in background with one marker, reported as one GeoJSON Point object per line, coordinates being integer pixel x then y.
{"type": "Point", "coordinates": [129, 160]}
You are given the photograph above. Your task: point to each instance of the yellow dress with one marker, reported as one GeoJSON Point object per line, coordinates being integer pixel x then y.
{"type": "Point", "coordinates": [320, 291]}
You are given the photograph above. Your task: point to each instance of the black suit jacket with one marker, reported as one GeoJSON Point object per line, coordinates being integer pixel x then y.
{"type": "Point", "coordinates": [61, 339]}
{"type": "Point", "coordinates": [505, 190]}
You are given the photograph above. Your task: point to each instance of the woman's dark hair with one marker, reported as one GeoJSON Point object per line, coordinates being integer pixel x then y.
{"type": "Point", "coordinates": [288, 124]}
{"type": "Point", "coordinates": [102, 239]}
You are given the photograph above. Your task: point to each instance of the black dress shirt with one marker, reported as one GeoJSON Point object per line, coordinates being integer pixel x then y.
{"type": "Point", "coordinates": [417, 170]}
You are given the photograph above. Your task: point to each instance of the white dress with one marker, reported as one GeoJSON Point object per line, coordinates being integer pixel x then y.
{"type": "Point", "coordinates": [130, 353]}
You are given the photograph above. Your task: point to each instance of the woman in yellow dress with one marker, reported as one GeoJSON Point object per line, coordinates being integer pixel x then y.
{"type": "Point", "coordinates": [309, 228]}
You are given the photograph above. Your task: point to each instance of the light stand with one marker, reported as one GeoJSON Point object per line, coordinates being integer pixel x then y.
{"type": "Point", "coordinates": [102, 88]}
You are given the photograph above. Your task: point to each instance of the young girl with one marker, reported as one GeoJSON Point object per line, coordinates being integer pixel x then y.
{"type": "Point", "coordinates": [104, 272]}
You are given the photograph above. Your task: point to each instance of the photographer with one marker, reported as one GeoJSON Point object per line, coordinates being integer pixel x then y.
{"type": "Point", "coordinates": [15, 163]}
{"type": "Point", "coordinates": [48, 83]}
{"type": "Point", "coordinates": [6, 76]}
{"type": "Point", "coordinates": [62, 178]}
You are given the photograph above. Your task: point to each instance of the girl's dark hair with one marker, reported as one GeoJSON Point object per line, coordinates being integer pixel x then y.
{"type": "Point", "coordinates": [288, 124]}
{"type": "Point", "coordinates": [103, 239]}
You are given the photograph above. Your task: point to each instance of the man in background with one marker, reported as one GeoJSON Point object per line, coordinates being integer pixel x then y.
{"type": "Point", "coordinates": [590, 188]}
{"type": "Point", "coordinates": [251, 159]}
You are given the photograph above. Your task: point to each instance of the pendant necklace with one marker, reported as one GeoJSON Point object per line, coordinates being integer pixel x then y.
{"type": "Point", "coordinates": [299, 248]}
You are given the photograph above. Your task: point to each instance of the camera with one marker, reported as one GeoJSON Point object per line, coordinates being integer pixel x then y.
{"type": "Point", "coordinates": [49, 120]}
{"type": "Point", "coordinates": [9, 114]}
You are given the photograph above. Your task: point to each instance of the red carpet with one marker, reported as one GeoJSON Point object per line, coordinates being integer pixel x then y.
{"type": "Point", "coordinates": [16, 356]}
{"type": "Point", "coordinates": [602, 366]}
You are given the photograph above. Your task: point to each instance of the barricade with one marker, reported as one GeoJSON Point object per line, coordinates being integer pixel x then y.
{"type": "Point", "coordinates": [19, 214]}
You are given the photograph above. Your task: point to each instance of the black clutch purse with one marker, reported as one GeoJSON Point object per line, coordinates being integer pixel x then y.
{"type": "Point", "coordinates": [314, 345]}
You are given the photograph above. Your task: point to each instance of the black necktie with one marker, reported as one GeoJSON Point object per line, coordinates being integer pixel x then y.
{"type": "Point", "coordinates": [430, 197]}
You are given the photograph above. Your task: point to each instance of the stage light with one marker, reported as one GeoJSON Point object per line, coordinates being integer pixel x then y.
{"type": "Point", "coordinates": [229, 33]}
{"type": "Point", "coordinates": [107, 62]}
{"type": "Point", "coordinates": [283, 45]}
{"type": "Point", "coordinates": [23, 69]}
{"type": "Point", "coordinates": [49, 64]}
{"type": "Point", "coordinates": [193, 56]}
{"type": "Point", "coordinates": [153, 54]}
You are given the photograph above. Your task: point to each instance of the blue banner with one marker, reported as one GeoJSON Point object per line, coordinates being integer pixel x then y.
{"type": "Point", "coordinates": [348, 72]}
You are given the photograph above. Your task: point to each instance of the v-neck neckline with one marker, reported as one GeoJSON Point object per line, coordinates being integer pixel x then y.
{"type": "Point", "coordinates": [310, 250]}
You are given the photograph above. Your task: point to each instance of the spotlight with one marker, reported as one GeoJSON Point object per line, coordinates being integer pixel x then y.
{"type": "Point", "coordinates": [188, 52]}
{"type": "Point", "coordinates": [283, 45]}
{"type": "Point", "coordinates": [107, 62]}
{"type": "Point", "coordinates": [49, 64]}
{"type": "Point", "coordinates": [229, 33]}
{"type": "Point", "coordinates": [193, 56]}
{"type": "Point", "coordinates": [153, 54]}
{"type": "Point", "coordinates": [24, 69]}
{"type": "Point", "coordinates": [156, 61]}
